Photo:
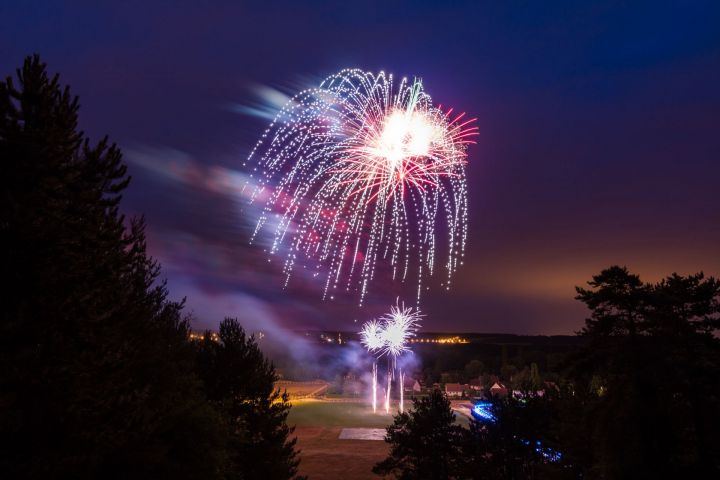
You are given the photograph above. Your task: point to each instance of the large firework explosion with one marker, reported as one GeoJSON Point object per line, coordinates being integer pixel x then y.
{"type": "Point", "coordinates": [360, 170]}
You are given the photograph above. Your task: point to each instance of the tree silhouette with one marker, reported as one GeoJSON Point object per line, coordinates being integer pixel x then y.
{"type": "Point", "coordinates": [239, 381]}
{"type": "Point", "coordinates": [97, 378]}
{"type": "Point", "coordinates": [425, 441]}
{"type": "Point", "coordinates": [647, 383]}
{"type": "Point", "coordinates": [517, 443]}
{"type": "Point", "coordinates": [616, 300]}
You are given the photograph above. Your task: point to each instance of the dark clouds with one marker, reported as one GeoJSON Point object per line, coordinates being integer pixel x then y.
{"type": "Point", "coordinates": [599, 137]}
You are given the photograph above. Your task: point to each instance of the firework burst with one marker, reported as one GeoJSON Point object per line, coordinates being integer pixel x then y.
{"type": "Point", "coordinates": [371, 336]}
{"type": "Point", "coordinates": [360, 170]}
{"type": "Point", "coordinates": [389, 336]}
{"type": "Point", "coordinates": [398, 326]}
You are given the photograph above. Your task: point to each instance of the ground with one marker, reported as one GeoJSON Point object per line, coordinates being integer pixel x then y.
{"type": "Point", "coordinates": [324, 456]}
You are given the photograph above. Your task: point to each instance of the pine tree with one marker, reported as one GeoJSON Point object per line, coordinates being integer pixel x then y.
{"type": "Point", "coordinates": [617, 299]}
{"type": "Point", "coordinates": [239, 381]}
{"type": "Point", "coordinates": [535, 378]}
{"type": "Point", "coordinates": [425, 442]}
{"type": "Point", "coordinates": [97, 378]}
{"type": "Point", "coordinates": [648, 379]}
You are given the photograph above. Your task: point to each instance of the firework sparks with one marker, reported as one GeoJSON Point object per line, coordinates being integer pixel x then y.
{"type": "Point", "coordinates": [398, 326]}
{"type": "Point", "coordinates": [371, 336]}
{"type": "Point", "coordinates": [402, 391]}
{"type": "Point", "coordinates": [359, 170]}
{"type": "Point", "coordinates": [389, 336]}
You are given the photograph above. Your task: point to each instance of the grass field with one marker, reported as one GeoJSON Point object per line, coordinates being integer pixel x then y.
{"type": "Point", "coordinates": [323, 455]}
{"type": "Point", "coordinates": [317, 413]}
{"type": "Point", "coordinates": [311, 413]}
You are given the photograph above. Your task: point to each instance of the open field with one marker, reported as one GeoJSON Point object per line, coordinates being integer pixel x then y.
{"type": "Point", "coordinates": [318, 413]}
{"type": "Point", "coordinates": [349, 413]}
{"type": "Point", "coordinates": [298, 390]}
{"type": "Point", "coordinates": [324, 456]}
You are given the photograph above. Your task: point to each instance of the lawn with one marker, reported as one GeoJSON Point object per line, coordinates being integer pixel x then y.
{"type": "Point", "coordinates": [313, 413]}
{"type": "Point", "coordinates": [323, 455]}
{"type": "Point", "coordinates": [316, 413]}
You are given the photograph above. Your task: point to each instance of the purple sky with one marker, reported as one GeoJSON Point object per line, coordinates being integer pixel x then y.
{"type": "Point", "coordinates": [599, 145]}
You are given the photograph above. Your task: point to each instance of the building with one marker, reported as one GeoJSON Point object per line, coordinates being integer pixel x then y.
{"type": "Point", "coordinates": [412, 385]}
{"type": "Point", "coordinates": [456, 389]}
{"type": "Point", "coordinates": [498, 389]}
{"type": "Point", "coordinates": [476, 385]}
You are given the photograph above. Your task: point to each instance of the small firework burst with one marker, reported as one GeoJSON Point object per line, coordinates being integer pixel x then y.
{"type": "Point", "coordinates": [371, 336]}
{"type": "Point", "coordinates": [398, 326]}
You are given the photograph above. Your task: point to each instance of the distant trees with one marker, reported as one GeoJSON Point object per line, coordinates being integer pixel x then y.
{"type": "Point", "coordinates": [98, 378]}
{"type": "Point", "coordinates": [508, 371]}
{"type": "Point", "coordinates": [450, 377]}
{"type": "Point", "coordinates": [650, 372]}
{"type": "Point", "coordinates": [425, 442]}
{"type": "Point", "coordinates": [473, 369]}
{"type": "Point", "coordinates": [535, 378]}
{"type": "Point", "coordinates": [641, 400]}
{"type": "Point", "coordinates": [527, 379]}
{"type": "Point", "coordinates": [239, 382]}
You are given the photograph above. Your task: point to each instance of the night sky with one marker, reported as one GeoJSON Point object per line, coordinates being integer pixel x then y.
{"type": "Point", "coordinates": [599, 144]}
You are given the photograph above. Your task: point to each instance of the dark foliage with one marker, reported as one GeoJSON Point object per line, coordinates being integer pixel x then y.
{"type": "Point", "coordinates": [646, 388]}
{"type": "Point", "coordinates": [425, 442]}
{"type": "Point", "coordinates": [238, 380]}
{"type": "Point", "coordinates": [97, 374]}
{"type": "Point", "coordinates": [617, 299]}
{"type": "Point", "coordinates": [641, 400]}
{"type": "Point", "coordinates": [518, 444]}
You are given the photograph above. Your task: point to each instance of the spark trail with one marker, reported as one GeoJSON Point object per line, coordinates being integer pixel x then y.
{"type": "Point", "coordinates": [361, 170]}
{"type": "Point", "coordinates": [388, 337]}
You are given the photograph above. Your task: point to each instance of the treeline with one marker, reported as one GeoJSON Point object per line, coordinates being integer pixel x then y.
{"type": "Point", "coordinates": [497, 358]}
{"type": "Point", "coordinates": [500, 356]}
{"type": "Point", "coordinates": [99, 378]}
{"type": "Point", "coordinates": [641, 400]}
{"type": "Point", "coordinates": [514, 372]}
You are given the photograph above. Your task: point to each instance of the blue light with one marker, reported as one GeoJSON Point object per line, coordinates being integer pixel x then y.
{"type": "Point", "coordinates": [481, 411]}
{"type": "Point", "coordinates": [548, 453]}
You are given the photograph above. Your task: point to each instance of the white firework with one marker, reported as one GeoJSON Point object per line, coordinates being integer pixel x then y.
{"type": "Point", "coordinates": [371, 336]}
{"type": "Point", "coordinates": [398, 327]}
{"type": "Point", "coordinates": [359, 171]}
{"type": "Point", "coordinates": [389, 336]}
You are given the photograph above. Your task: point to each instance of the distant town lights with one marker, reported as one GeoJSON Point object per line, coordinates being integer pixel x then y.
{"type": "Point", "coordinates": [442, 340]}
